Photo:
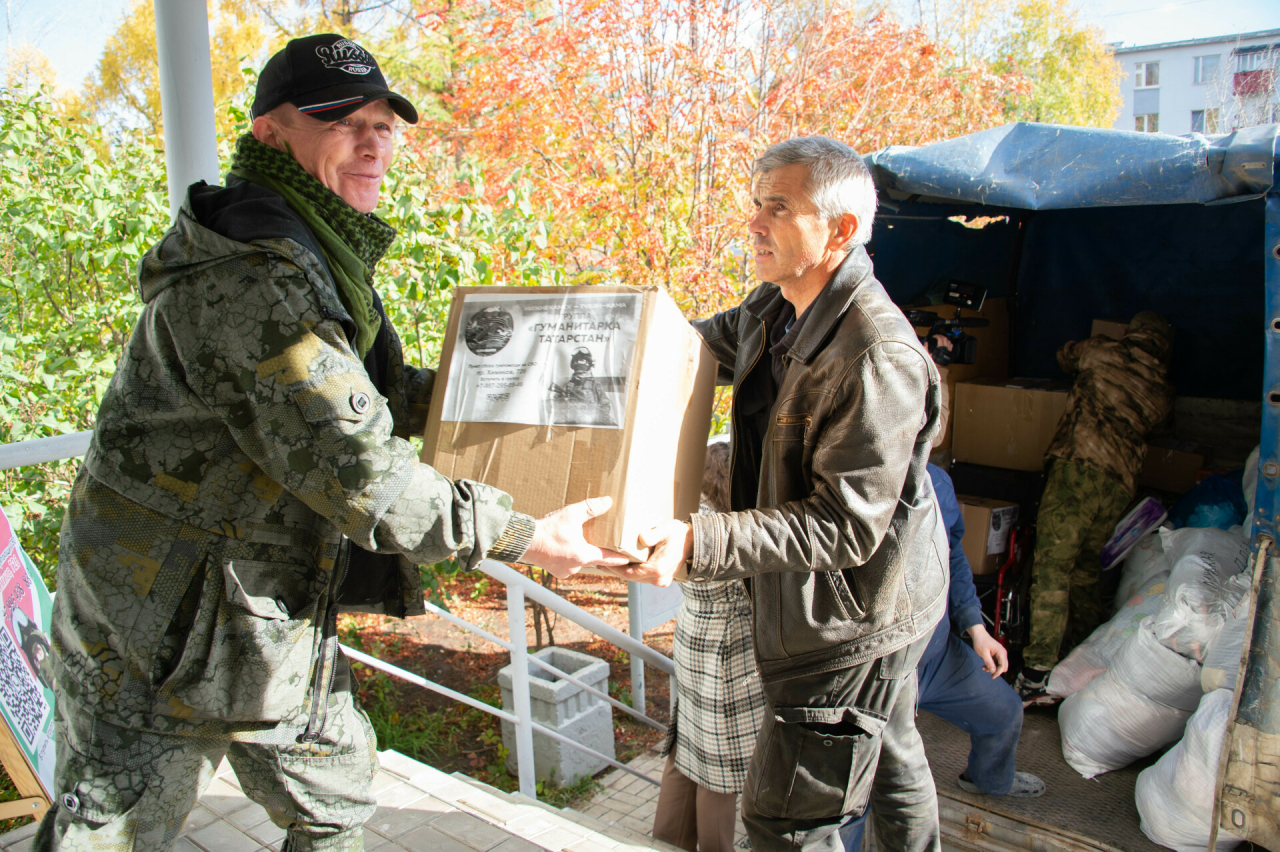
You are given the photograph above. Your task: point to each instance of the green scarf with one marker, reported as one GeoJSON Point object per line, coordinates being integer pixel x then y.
{"type": "Point", "coordinates": [352, 241]}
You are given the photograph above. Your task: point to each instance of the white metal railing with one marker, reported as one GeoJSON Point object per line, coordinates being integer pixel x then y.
{"type": "Point", "coordinates": [519, 587]}
{"type": "Point", "coordinates": [544, 665]}
{"type": "Point", "coordinates": [41, 450]}
{"type": "Point", "coordinates": [522, 718]}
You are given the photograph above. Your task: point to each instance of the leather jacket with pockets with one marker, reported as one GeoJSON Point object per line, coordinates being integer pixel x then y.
{"type": "Point", "coordinates": [834, 522]}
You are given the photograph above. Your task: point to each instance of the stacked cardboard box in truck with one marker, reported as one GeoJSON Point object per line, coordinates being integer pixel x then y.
{"type": "Point", "coordinates": [557, 394]}
{"type": "Point", "coordinates": [1109, 328]}
{"type": "Point", "coordinates": [1006, 424]}
{"type": "Point", "coordinates": [1172, 469]}
{"type": "Point", "coordinates": [987, 524]}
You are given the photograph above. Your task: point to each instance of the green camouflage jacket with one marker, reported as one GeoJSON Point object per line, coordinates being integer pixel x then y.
{"type": "Point", "coordinates": [238, 447]}
{"type": "Point", "coordinates": [1121, 392]}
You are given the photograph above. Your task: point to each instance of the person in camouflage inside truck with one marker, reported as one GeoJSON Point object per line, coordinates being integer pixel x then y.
{"type": "Point", "coordinates": [248, 476]}
{"type": "Point", "coordinates": [1121, 392]}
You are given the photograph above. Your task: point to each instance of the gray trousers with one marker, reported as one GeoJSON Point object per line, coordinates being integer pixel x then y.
{"type": "Point", "coordinates": [830, 744]}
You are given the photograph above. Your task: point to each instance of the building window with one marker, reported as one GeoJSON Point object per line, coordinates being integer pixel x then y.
{"type": "Point", "coordinates": [1149, 123]}
{"type": "Point", "coordinates": [1206, 69]}
{"type": "Point", "coordinates": [1255, 71]}
{"type": "Point", "coordinates": [1205, 121]}
{"type": "Point", "coordinates": [1252, 61]}
{"type": "Point", "coordinates": [1147, 76]}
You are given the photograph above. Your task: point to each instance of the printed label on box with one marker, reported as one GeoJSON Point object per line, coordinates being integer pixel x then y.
{"type": "Point", "coordinates": [562, 360]}
{"type": "Point", "coordinates": [1002, 521]}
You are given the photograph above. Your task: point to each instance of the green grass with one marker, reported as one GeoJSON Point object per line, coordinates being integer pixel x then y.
{"type": "Point", "coordinates": [7, 794]}
{"type": "Point", "coordinates": [553, 794]}
{"type": "Point", "coordinates": [420, 734]}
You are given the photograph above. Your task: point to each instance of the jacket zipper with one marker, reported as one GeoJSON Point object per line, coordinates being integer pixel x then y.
{"type": "Point", "coordinates": [733, 444]}
{"type": "Point", "coordinates": [326, 657]}
{"type": "Point", "coordinates": [733, 408]}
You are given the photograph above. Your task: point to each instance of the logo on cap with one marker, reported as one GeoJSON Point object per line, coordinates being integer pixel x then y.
{"type": "Point", "coordinates": [346, 55]}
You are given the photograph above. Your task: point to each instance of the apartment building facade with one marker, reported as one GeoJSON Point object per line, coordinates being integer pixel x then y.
{"type": "Point", "coordinates": [1204, 85]}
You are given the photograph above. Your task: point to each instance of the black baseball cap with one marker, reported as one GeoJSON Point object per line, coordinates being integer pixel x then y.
{"type": "Point", "coordinates": [326, 76]}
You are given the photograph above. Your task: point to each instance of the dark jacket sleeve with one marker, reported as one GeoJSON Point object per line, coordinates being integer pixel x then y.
{"type": "Point", "coordinates": [408, 389]}
{"type": "Point", "coordinates": [962, 598]}
{"type": "Point", "coordinates": [415, 389]}
{"type": "Point", "coordinates": [720, 333]}
{"type": "Point", "coordinates": [860, 464]}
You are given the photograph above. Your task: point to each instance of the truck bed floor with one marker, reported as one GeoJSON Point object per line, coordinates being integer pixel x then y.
{"type": "Point", "coordinates": [1099, 813]}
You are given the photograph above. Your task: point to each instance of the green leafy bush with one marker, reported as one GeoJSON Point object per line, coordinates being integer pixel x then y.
{"type": "Point", "coordinates": [79, 215]}
{"type": "Point", "coordinates": [74, 227]}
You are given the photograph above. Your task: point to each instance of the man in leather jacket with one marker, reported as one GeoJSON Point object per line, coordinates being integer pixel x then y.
{"type": "Point", "coordinates": [834, 525]}
{"type": "Point", "coordinates": [248, 475]}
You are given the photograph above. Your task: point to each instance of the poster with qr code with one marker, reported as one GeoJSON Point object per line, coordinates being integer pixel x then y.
{"type": "Point", "coordinates": [26, 669]}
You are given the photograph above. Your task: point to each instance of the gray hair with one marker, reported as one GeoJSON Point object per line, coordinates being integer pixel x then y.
{"type": "Point", "coordinates": [839, 181]}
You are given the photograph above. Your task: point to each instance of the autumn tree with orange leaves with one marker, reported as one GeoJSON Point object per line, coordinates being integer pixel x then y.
{"type": "Point", "coordinates": [637, 122]}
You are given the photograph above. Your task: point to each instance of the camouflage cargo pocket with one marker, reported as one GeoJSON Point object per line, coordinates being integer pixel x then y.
{"type": "Point", "coordinates": [248, 657]}
{"type": "Point", "coordinates": [107, 780]}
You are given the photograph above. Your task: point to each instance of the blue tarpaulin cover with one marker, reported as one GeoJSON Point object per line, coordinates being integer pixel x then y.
{"type": "Point", "coordinates": [1053, 167]}
{"type": "Point", "coordinates": [1084, 224]}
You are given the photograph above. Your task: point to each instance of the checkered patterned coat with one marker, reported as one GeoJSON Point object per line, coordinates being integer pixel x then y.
{"type": "Point", "coordinates": [719, 703]}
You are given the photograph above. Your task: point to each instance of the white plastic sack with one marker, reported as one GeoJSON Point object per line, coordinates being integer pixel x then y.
{"type": "Point", "coordinates": [1145, 667]}
{"type": "Point", "coordinates": [1222, 662]}
{"type": "Point", "coordinates": [1201, 589]}
{"type": "Point", "coordinates": [1249, 482]}
{"type": "Point", "coordinates": [1143, 562]}
{"type": "Point", "coordinates": [1203, 555]}
{"type": "Point", "coordinates": [1175, 796]}
{"type": "Point", "coordinates": [1139, 705]}
{"type": "Point", "coordinates": [1092, 656]}
{"type": "Point", "coordinates": [1191, 620]}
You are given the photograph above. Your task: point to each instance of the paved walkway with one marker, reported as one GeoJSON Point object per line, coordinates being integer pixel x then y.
{"type": "Point", "coordinates": [630, 802]}
{"type": "Point", "coordinates": [421, 809]}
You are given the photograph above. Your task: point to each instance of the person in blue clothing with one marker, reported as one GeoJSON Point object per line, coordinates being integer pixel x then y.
{"type": "Point", "coordinates": [963, 685]}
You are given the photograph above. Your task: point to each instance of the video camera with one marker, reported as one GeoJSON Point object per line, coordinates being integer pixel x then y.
{"type": "Point", "coordinates": [964, 347]}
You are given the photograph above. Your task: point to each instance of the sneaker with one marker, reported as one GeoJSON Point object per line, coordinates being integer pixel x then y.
{"type": "Point", "coordinates": [1032, 687]}
{"type": "Point", "coordinates": [1025, 785]}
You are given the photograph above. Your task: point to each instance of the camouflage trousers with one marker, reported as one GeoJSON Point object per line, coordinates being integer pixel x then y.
{"type": "Point", "coordinates": [122, 789]}
{"type": "Point", "coordinates": [1078, 513]}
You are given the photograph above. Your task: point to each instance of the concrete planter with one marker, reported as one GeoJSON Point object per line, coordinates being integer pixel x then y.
{"type": "Point", "coordinates": [566, 709]}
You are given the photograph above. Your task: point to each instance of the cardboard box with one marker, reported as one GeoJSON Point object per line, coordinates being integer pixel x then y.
{"type": "Point", "coordinates": [1171, 469]}
{"type": "Point", "coordinates": [1006, 424]}
{"type": "Point", "coordinates": [1024, 487]}
{"type": "Point", "coordinates": [987, 524]}
{"type": "Point", "coordinates": [1109, 328]}
{"type": "Point", "coordinates": [557, 394]}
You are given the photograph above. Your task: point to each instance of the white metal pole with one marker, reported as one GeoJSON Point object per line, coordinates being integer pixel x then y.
{"type": "Point", "coordinates": [186, 95]}
{"type": "Point", "coordinates": [520, 691]}
{"type": "Point", "coordinates": [635, 617]}
{"type": "Point", "coordinates": [41, 450]}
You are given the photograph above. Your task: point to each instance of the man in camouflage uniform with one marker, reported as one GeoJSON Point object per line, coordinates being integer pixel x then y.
{"type": "Point", "coordinates": [1121, 392]}
{"type": "Point", "coordinates": [248, 475]}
